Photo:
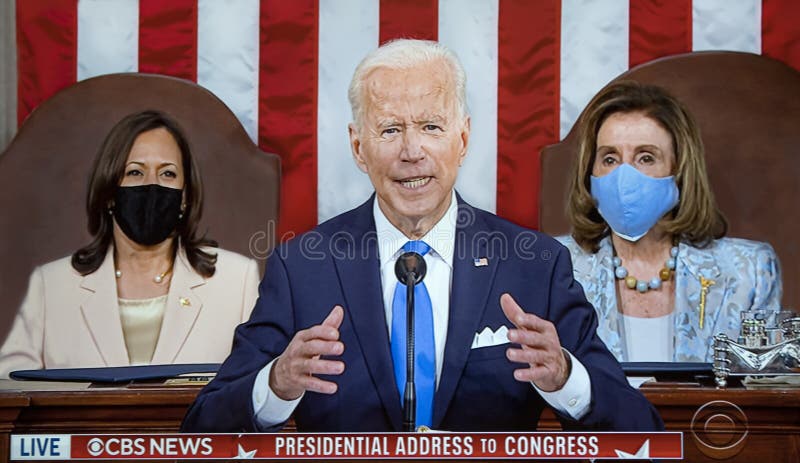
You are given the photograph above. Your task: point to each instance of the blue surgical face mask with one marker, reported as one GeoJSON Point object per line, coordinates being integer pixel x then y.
{"type": "Point", "coordinates": [632, 202]}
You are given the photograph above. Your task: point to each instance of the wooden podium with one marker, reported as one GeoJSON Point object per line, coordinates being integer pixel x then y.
{"type": "Point", "coordinates": [732, 425]}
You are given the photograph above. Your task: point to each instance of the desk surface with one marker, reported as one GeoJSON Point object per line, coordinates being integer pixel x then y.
{"type": "Point", "coordinates": [766, 421]}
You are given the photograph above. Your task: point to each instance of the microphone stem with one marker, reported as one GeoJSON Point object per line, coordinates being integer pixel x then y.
{"type": "Point", "coordinates": [410, 395]}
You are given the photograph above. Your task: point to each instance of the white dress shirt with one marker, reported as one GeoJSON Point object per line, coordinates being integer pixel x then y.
{"type": "Point", "coordinates": [438, 279]}
{"type": "Point", "coordinates": [572, 399]}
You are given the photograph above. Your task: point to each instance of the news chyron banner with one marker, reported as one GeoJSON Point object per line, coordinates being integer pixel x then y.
{"type": "Point", "coordinates": [348, 446]}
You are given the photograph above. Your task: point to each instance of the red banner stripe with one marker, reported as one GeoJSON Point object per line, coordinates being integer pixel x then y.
{"type": "Point", "coordinates": [47, 51]}
{"type": "Point", "coordinates": [348, 446]}
{"type": "Point", "coordinates": [287, 120]}
{"type": "Point", "coordinates": [659, 28]}
{"type": "Point", "coordinates": [410, 19]}
{"type": "Point", "coordinates": [527, 102]}
{"type": "Point", "coordinates": [168, 38]}
{"type": "Point", "coordinates": [779, 26]}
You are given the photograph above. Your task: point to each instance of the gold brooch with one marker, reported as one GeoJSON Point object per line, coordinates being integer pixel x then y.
{"type": "Point", "coordinates": [184, 301]}
{"type": "Point", "coordinates": [705, 283]}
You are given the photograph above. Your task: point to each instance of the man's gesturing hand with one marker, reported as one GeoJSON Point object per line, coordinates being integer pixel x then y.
{"type": "Point", "coordinates": [541, 350]}
{"type": "Point", "coordinates": [293, 372]}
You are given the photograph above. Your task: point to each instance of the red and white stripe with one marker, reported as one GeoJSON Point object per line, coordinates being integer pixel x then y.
{"type": "Point", "coordinates": [283, 68]}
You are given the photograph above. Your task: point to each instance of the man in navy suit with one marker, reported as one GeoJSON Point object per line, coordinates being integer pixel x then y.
{"type": "Point", "coordinates": [511, 330]}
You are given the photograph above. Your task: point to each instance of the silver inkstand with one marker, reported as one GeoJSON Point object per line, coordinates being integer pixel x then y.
{"type": "Point", "coordinates": [768, 345]}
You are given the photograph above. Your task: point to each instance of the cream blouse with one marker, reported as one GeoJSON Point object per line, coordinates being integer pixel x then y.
{"type": "Point", "coordinates": [141, 324]}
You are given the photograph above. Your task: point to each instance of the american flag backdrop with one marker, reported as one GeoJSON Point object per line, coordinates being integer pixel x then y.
{"type": "Point", "coordinates": [283, 67]}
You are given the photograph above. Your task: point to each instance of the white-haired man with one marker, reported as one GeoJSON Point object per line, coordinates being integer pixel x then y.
{"type": "Point", "coordinates": [502, 329]}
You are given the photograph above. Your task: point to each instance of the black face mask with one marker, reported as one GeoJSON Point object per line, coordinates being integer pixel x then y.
{"type": "Point", "coordinates": [147, 214]}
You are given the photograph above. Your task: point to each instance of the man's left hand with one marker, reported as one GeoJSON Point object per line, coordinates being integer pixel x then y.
{"type": "Point", "coordinates": [541, 349]}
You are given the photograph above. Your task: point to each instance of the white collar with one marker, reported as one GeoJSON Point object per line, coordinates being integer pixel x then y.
{"type": "Point", "coordinates": [441, 238]}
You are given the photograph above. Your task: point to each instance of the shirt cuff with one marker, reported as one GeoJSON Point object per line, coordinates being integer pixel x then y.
{"type": "Point", "coordinates": [268, 408]}
{"type": "Point", "coordinates": [575, 397]}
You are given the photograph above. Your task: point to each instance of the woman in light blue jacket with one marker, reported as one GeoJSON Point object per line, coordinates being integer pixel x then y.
{"type": "Point", "coordinates": [647, 239]}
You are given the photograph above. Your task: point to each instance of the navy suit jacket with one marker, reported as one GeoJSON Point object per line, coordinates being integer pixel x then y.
{"type": "Point", "coordinates": [337, 263]}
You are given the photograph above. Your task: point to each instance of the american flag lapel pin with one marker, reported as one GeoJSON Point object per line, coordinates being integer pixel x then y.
{"type": "Point", "coordinates": [480, 262]}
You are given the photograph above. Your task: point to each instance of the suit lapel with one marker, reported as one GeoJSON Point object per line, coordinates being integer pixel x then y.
{"type": "Point", "coordinates": [100, 311]}
{"type": "Point", "coordinates": [470, 291]}
{"type": "Point", "coordinates": [610, 323]}
{"type": "Point", "coordinates": [361, 284]}
{"type": "Point", "coordinates": [183, 307]}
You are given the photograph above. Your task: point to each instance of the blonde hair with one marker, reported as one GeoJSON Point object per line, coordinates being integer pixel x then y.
{"type": "Point", "coordinates": [404, 54]}
{"type": "Point", "coordinates": [696, 218]}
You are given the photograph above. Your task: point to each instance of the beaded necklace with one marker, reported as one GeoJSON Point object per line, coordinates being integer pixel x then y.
{"type": "Point", "coordinates": [644, 286]}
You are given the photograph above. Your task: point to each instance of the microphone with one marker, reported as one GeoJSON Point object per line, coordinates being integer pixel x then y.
{"type": "Point", "coordinates": [410, 269]}
{"type": "Point", "coordinates": [410, 265]}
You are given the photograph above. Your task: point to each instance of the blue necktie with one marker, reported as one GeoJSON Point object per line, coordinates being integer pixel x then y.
{"type": "Point", "coordinates": [424, 351]}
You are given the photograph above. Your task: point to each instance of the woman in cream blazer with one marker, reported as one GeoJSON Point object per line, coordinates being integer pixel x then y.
{"type": "Point", "coordinates": [148, 289]}
{"type": "Point", "coordinates": [70, 320]}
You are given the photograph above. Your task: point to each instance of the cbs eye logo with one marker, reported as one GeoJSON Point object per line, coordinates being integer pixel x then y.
{"type": "Point", "coordinates": [95, 447]}
{"type": "Point", "coordinates": [719, 429]}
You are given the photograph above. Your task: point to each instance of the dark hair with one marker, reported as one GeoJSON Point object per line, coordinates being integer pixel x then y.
{"type": "Point", "coordinates": [696, 218]}
{"type": "Point", "coordinates": [108, 170]}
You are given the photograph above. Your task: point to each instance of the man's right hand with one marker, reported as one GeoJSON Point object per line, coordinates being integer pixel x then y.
{"type": "Point", "coordinates": [293, 372]}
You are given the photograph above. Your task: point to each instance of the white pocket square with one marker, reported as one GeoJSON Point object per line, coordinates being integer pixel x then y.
{"type": "Point", "coordinates": [488, 338]}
